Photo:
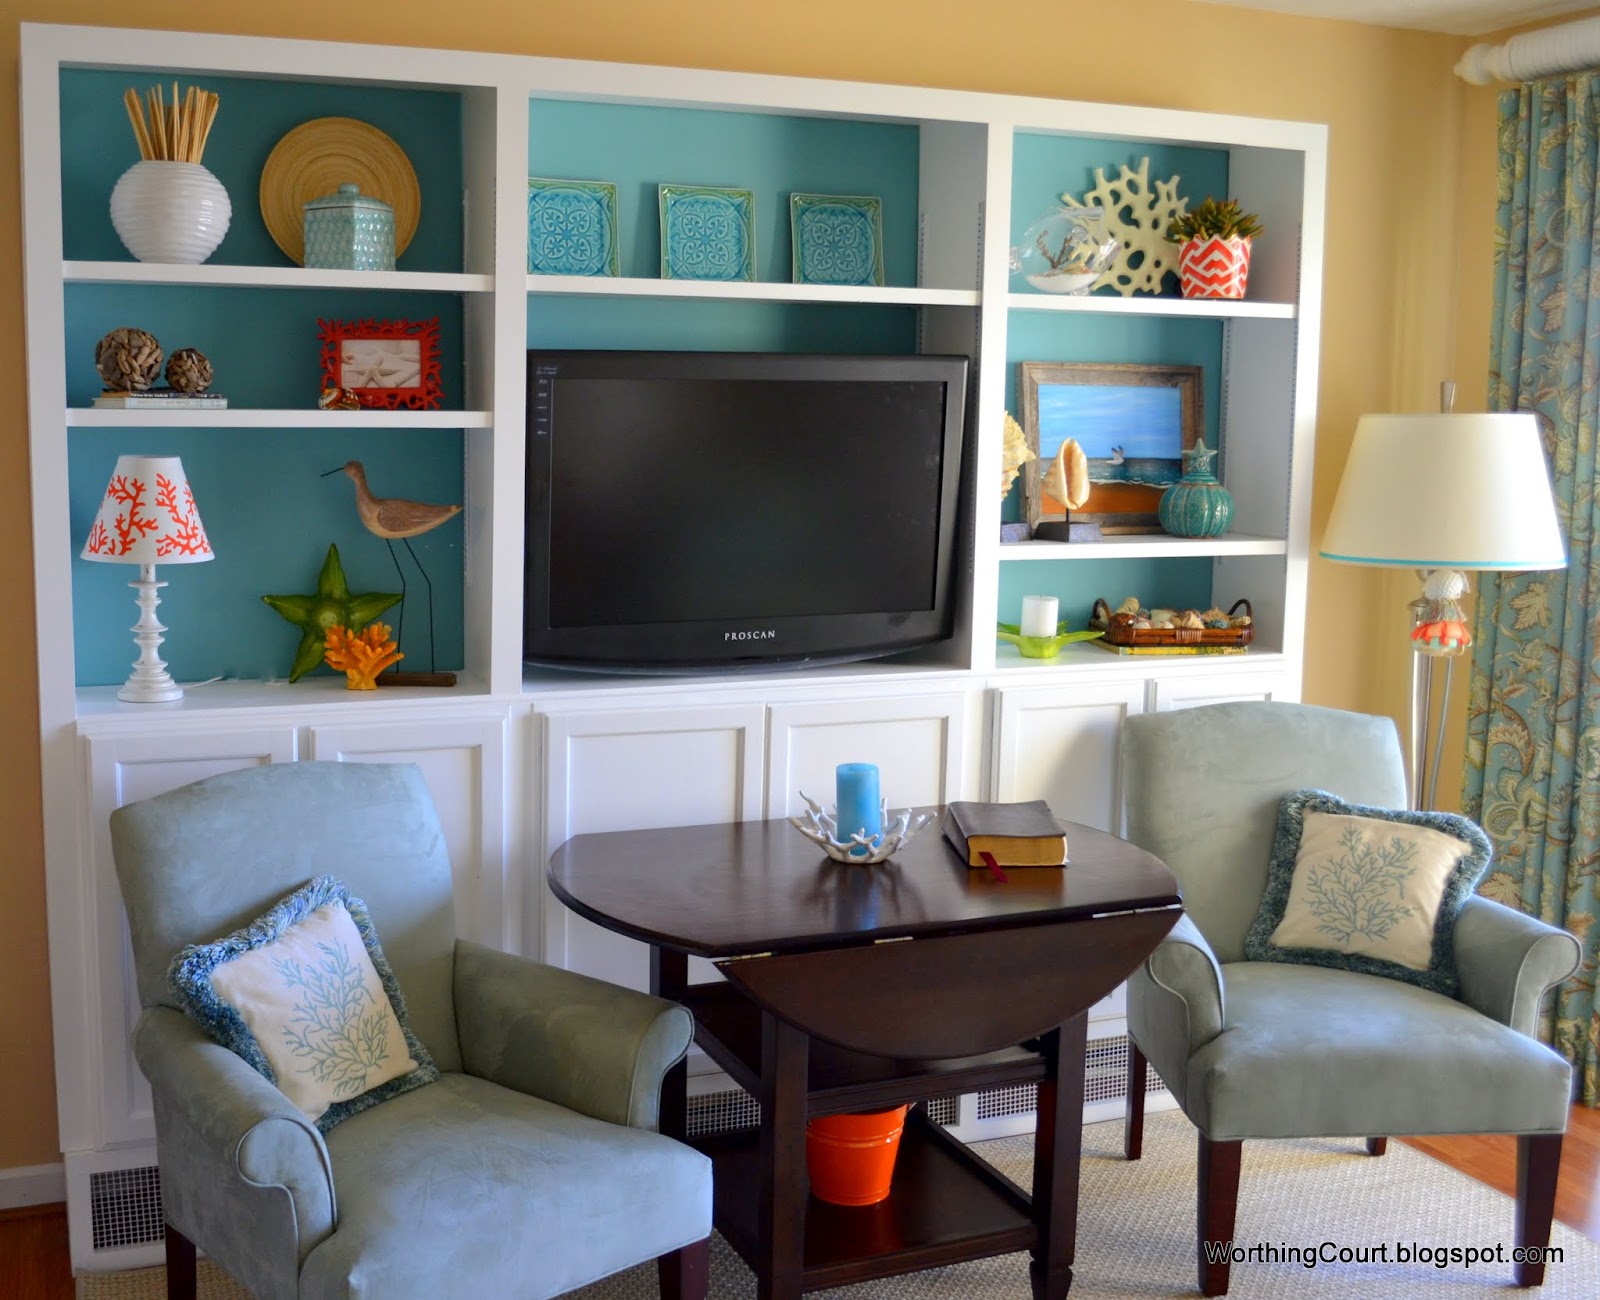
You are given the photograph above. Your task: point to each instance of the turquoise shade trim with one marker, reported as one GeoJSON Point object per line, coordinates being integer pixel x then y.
{"type": "Point", "coordinates": [1518, 566]}
{"type": "Point", "coordinates": [1440, 976]}
{"type": "Point", "coordinates": [190, 979]}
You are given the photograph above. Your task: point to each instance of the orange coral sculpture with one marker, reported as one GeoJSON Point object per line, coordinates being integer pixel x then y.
{"type": "Point", "coordinates": [361, 656]}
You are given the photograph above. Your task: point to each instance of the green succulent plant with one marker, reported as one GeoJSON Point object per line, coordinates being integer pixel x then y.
{"type": "Point", "coordinates": [1214, 217]}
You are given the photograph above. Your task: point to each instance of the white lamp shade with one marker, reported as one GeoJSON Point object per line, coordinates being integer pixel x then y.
{"type": "Point", "coordinates": [1467, 491]}
{"type": "Point", "coordinates": [148, 516]}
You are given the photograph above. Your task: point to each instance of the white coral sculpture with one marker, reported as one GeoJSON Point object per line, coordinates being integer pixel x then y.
{"type": "Point", "coordinates": [1138, 217]}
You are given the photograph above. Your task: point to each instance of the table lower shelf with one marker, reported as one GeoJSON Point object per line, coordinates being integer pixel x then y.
{"type": "Point", "coordinates": [945, 1205]}
{"type": "Point", "coordinates": [728, 1028]}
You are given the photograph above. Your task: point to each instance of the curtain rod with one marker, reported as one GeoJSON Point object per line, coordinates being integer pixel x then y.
{"type": "Point", "coordinates": [1564, 48]}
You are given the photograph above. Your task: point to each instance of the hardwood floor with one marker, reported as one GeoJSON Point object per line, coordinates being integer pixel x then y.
{"type": "Point", "coordinates": [33, 1242]}
{"type": "Point", "coordinates": [1493, 1160]}
{"type": "Point", "coordinates": [34, 1264]}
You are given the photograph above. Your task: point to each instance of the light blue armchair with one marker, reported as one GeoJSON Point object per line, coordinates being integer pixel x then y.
{"type": "Point", "coordinates": [1269, 1050]}
{"type": "Point", "coordinates": [532, 1165]}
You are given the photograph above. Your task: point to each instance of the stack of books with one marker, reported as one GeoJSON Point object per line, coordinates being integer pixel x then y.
{"type": "Point", "coordinates": [996, 835]}
{"type": "Point", "coordinates": [160, 399]}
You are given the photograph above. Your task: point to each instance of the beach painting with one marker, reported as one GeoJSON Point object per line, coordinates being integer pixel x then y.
{"type": "Point", "coordinates": [1133, 423]}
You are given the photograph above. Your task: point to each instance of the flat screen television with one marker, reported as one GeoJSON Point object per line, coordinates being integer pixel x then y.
{"type": "Point", "coordinates": [691, 510]}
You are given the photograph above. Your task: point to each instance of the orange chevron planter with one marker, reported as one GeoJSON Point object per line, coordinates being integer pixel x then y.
{"type": "Point", "coordinates": [1214, 267]}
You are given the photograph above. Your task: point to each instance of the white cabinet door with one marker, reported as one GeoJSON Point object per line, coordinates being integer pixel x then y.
{"type": "Point", "coordinates": [1190, 691]}
{"type": "Point", "coordinates": [632, 769]}
{"type": "Point", "coordinates": [463, 760]}
{"type": "Point", "coordinates": [1059, 744]}
{"type": "Point", "coordinates": [918, 743]}
{"type": "Point", "coordinates": [123, 769]}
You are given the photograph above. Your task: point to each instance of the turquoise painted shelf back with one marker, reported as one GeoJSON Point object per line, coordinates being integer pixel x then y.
{"type": "Point", "coordinates": [270, 518]}
{"type": "Point", "coordinates": [97, 146]}
{"type": "Point", "coordinates": [1046, 166]}
{"type": "Point", "coordinates": [773, 154]}
{"type": "Point", "coordinates": [653, 324]}
{"type": "Point", "coordinates": [1166, 583]}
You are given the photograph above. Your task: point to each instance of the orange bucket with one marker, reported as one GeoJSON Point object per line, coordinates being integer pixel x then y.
{"type": "Point", "coordinates": [851, 1157]}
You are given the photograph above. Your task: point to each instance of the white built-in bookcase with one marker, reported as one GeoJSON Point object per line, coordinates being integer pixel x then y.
{"type": "Point", "coordinates": [950, 290]}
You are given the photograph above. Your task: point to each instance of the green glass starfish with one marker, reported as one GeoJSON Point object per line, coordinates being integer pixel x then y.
{"type": "Point", "coordinates": [331, 604]}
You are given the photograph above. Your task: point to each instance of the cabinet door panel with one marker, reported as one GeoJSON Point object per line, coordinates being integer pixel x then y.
{"type": "Point", "coordinates": [123, 769]}
{"type": "Point", "coordinates": [1059, 744]}
{"type": "Point", "coordinates": [463, 761]}
{"type": "Point", "coordinates": [1191, 692]}
{"type": "Point", "coordinates": [918, 743]}
{"type": "Point", "coordinates": [632, 769]}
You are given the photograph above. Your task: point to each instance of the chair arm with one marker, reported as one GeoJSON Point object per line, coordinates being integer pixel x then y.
{"type": "Point", "coordinates": [231, 1147]}
{"type": "Point", "coordinates": [583, 1043]}
{"type": "Point", "coordinates": [1185, 967]}
{"type": "Point", "coordinates": [1507, 961]}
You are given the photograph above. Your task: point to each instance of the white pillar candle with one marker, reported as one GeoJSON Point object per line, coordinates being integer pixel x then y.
{"type": "Point", "coordinates": [1039, 615]}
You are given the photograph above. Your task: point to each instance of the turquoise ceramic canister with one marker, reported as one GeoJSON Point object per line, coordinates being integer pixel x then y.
{"type": "Point", "coordinates": [1197, 505]}
{"type": "Point", "coordinates": [349, 231]}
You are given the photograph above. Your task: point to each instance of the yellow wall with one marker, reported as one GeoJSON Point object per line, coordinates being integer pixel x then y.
{"type": "Point", "coordinates": [1394, 288]}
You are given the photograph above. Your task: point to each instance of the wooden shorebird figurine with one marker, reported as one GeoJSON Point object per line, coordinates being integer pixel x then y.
{"type": "Point", "coordinates": [395, 519]}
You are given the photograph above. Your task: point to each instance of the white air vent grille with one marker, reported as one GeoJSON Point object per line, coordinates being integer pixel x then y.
{"type": "Point", "coordinates": [1019, 1099]}
{"type": "Point", "coordinates": [943, 1110]}
{"type": "Point", "coordinates": [1105, 1078]}
{"type": "Point", "coordinates": [722, 1112]}
{"type": "Point", "coordinates": [125, 1207]}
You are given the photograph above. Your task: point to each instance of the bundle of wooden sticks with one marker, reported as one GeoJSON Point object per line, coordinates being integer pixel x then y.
{"type": "Point", "coordinates": [175, 132]}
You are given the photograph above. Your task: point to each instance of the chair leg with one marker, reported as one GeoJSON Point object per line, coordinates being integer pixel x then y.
{"type": "Point", "coordinates": [1217, 1197]}
{"type": "Point", "coordinates": [1133, 1114]}
{"type": "Point", "coordinates": [1538, 1164]}
{"type": "Point", "coordinates": [685, 1273]}
{"type": "Point", "coordinates": [181, 1282]}
{"type": "Point", "coordinates": [1377, 1146]}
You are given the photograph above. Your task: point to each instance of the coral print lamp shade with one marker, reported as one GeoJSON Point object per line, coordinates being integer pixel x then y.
{"type": "Point", "coordinates": [148, 517]}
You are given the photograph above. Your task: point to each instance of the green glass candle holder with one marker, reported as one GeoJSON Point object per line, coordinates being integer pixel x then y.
{"type": "Point", "coordinates": [1042, 647]}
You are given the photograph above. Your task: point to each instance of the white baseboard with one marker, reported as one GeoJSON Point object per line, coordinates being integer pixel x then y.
{"type": "Point", "coordinates": [32, 1185]}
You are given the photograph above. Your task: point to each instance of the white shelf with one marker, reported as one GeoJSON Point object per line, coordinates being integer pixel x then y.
{"type": "Point", "coordinates": [260, 418]}
{"type": "Point", "coordinates": [750, 291]}
{"type": "Point", "coordinates": [212, 275]}
{"type": "Point", "coordinates": [1183, 308]}
{"type": "Point", "coordinates": [100, 712]}
{"type": "Point", "coordinates": [1086, 657]}
{"type": "Point", "coordinates": [1144, 546]}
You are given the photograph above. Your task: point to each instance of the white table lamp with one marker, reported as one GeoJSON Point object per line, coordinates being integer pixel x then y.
{"type": "Point", "coordinates": [148, 517]}
{"type": "Point", "coordinates": [1441, 494]}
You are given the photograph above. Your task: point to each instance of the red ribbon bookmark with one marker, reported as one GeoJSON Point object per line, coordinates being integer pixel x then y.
{"type": "Point", "coordinates": [994, 867]}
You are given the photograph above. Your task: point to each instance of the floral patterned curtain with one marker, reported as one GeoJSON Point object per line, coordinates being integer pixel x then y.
{"type": "Point", "coordinates": [1533, 731]}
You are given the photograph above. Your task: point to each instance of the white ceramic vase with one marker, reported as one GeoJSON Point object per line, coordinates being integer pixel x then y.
{"type": "Point", "coordinates": [170, 211]}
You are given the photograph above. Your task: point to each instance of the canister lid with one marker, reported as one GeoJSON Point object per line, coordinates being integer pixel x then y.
{"type": "Point", "coordinates": [348, 196]}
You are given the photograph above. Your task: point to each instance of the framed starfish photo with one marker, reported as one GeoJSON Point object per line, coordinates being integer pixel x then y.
{"type": "Point", "coordinates": [387, 364]}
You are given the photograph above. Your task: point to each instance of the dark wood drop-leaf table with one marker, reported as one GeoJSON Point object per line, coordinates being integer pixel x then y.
{"type": "Point", "coordinates": [856, 988]}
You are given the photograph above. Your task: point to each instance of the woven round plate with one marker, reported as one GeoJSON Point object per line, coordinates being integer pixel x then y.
{"type": "Point", "coordinates": [316, 158]}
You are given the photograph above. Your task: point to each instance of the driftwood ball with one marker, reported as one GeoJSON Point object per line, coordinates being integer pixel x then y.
{"type": "Point", "coordinates": [189, 371]}
{"type": "Point", "coordinates": [129, 360]}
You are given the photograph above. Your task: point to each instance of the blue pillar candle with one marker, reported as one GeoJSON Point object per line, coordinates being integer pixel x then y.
{"type": "Point", "coordinates": [858, 807]}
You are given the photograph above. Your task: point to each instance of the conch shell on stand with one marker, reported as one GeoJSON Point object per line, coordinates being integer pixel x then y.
{"type": "Point", "coordinates": [1067, 479]}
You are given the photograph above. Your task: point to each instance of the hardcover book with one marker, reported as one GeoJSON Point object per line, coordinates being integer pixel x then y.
{"type": "Point", "coordinates": [1016, 834]}
{"type": "Point", "coordinates": [164, 399]}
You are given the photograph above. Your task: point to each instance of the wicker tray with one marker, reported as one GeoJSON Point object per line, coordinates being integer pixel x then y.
{"type": "Point", "coordinates": [1175, 636]}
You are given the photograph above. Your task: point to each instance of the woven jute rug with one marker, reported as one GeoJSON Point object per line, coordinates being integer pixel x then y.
{"type": "Point", "coordinates": [1136, 1232]}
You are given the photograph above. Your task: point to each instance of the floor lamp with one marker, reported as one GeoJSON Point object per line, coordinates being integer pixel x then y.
{"type": "Point", "coordinates": [1442, 494]}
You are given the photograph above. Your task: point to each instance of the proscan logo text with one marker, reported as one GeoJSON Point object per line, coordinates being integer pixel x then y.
{"type": "Point", "coordinates": [759, 634]}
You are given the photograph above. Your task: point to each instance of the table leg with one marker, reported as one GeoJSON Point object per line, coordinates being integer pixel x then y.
{"type": "Point", "coordinates": [669, 978]}
{"type": "Point", "coordinates": [1057, 1149]}
{"type": "Point", "coordinates": [782, 1193]}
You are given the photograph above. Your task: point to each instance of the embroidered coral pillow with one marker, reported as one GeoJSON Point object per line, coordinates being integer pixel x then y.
{"type": "Point", "coordinates": [305, 995]}
{"type": "Point", "coordinates": [1374, 890]}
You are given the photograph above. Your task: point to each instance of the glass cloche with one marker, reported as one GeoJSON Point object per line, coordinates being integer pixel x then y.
{"type": "Point", "coordinates": [1064, 251]}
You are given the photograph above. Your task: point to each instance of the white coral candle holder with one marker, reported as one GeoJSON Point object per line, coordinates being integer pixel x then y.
{"type": "Point", "coordinates": [170, 211]}
{"type": "Point", "coordinates": [817, 824]}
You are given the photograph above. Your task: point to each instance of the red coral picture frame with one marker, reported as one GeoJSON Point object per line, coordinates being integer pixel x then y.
{"type": "Point", "coordinates": [388, 364]}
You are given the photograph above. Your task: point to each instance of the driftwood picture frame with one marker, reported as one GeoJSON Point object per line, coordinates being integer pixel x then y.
{"type": "Point", "coordinates": [1134, 423]}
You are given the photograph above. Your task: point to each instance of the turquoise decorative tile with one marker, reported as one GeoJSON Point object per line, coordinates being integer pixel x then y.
{"type": "Point", "coordinates": [572, 227]}
{"type": "Point", "coordinates": [707, 233]}
{"type": "Point", "coordinates": [836, 238]}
